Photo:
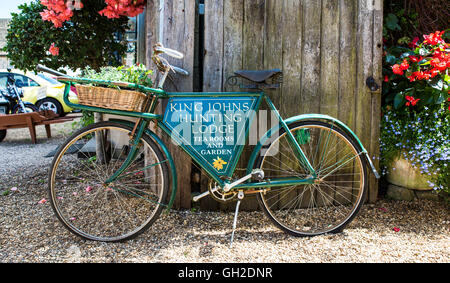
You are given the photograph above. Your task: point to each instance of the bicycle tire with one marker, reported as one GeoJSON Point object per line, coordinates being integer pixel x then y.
{"type": "Point", "coordinates": [300, 226]}
{"type": "Point", "coordinates": [134, 191]}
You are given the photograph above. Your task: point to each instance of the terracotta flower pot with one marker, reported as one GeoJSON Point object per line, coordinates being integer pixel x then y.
{"type": "Point", "coordinates": [402, 173]}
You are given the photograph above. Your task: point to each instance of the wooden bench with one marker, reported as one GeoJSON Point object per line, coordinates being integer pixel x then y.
{"type": "Point", "coordinates": [31, 120]}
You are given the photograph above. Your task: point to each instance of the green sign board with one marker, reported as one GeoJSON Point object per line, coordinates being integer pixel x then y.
{"type": "Point", "coordinates": [214, 129]}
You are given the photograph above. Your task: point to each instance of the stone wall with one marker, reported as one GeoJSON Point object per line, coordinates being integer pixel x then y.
{"type": "Point", "coordinates": [4, 62]}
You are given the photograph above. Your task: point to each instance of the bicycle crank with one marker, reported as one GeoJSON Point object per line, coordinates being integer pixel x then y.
{"type": "Point", "coordinates": [218, 193]}
{"type": "Point", "coordinates": [256, 174]}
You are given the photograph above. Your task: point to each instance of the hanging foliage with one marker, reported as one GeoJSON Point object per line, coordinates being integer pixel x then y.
{"type": "Point", "coordinates": [68, 34]}
{"type": "Point", "coordinates": [59, 11]}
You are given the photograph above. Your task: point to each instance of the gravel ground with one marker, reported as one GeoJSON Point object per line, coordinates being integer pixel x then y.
{"type": "Point", "coordinates": [387, 231]}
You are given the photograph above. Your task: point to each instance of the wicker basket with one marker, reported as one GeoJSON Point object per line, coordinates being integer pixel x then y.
{"type": "Point", "coordinates": [126, 100]}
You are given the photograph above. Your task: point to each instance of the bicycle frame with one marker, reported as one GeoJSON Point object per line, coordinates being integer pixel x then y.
{"type": "Point", "coordinates": [224, 97]}
{"type": "Point", "coordinates": [164, 122]}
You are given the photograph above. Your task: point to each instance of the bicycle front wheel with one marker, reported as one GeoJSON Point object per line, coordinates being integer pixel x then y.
{"type": "Point", "coordinates": [330, 203]}
{"type": "Point", "coordinates": [97, 209]}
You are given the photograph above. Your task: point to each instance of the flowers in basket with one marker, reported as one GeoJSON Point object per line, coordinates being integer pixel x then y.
{"type": "Point", "coordinates": [135, 74]}
{"type": "Point", "coordinates": [107, 93]}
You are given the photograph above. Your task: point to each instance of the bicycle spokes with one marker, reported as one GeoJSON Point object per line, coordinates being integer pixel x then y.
{"type": "Point", "coordinates": [334, 196]}
{"type": "Point", "coordinates": [107, 210]}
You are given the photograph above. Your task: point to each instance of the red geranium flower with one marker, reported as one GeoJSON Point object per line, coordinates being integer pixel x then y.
{"type": "Point", "coordinates": [117, 8]}
{"type": "Point", "coordinates": [411, 101]}
{"type": "Point", "coordinates": [413, 43]}
{"type": "Point", "coordinates": [57, 12]}
{"type": "Point", "coordinates": [434, 38]}
{"type": "Point", "coordinates": [415, 59]}
{"type": "Point", "coordinates": [441, 66]}
{"type": "Point", "coordinates": [397, 70]}
{"type": "Point", "coordinates": [434, 72]}
{"type": "Point", "coordinates": [404, 65]}
{"type": "Point", "coordinates": [54, 50]}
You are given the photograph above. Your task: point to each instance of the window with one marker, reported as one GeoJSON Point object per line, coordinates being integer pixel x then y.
{"type": "Point", "coordinates": [21, 81]}
{"type": "Point", "coordinates": [135, 37]}
{"type": "Point", "coordinates": [3, 78]}
{"type": "Point", "coordinates": [48, 79]}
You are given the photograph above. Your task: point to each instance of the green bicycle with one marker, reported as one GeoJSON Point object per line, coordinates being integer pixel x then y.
{"type": "Point", "coordinates": [111, 180]}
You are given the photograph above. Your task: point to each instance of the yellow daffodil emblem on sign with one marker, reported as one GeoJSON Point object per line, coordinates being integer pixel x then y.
{"type": "Point", "coordinates": [218, 163]}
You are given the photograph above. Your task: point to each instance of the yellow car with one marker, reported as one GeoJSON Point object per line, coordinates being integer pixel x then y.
{"type": "Point", "coordinates": [41, 90]}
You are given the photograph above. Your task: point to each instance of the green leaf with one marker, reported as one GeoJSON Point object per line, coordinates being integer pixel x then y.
{"type": "Point", "coordinates": [391, 59]}
{"type": "Point", "coordinates": [442, 97]}
{"type": "Point", "coordinates": [391, 22]}
{"type": "Point", "coordinates": [425, 62]}
{"type": "Point", "coordinates": [404, 40]}
{"type": "Point", "coordinates": [407, 54]}
{"type": "Point", "coordinates": [398, 100]}
{"type": "Point", "coordinates": [447, 78]}
{"type": "Point", "coordinates": [436, 83]}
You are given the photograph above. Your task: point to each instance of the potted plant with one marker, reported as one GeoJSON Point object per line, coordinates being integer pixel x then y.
{"type": "Point", "coordinates": [415, 127]}
{"type": "Point", "coordinates": [109, 94]}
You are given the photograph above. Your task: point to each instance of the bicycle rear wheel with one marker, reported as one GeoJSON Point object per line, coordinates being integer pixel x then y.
{"type": "Point", "coordinates": [326, 206]}
{"type": "Point", "coordinates": [94, 209]}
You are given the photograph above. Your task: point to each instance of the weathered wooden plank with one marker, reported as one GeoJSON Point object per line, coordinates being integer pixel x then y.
{"type": "Point", "coordinates": [347, 62]}
{"type": "Point", "coordinates": [311, 57]}
{"type": "Point", "coordinates": [214, 46]}
{"type": "Point", "coordinates": [364, 70]}
{"type": "Point", "coordinates": [329, 79]}
{"type": "Point", "coordinates": [290, 102]}
{"type": "Point", "coordinates": [274, 42]}
{"type": "Point", "coordinates": [212, 70]}
{"type": "Point", "coordinates": [253, 46]}
{"type": "Point", "coordinates": [152, 20]}
{"type": "Point", "coordinates": [253, 59]}
{"type": "Point", "coordinates": [347, 78]}
{"type": "Point", "coordinates": [178, 34]}
{"type": "Point", "coordinates": [233, 18]}
{"type": "Point", "coordinates": [273, 58]}
{"type": "Point", "coordinates": [374, 149]}
{"type": "Point", "coordinates": [329, 59]}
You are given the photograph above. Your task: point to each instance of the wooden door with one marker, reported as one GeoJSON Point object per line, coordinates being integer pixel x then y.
{"type": "Point", "coordinates": [326, 48]}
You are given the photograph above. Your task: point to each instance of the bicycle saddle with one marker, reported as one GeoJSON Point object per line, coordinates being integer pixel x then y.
{"type": "Point", "coordinates": [258, 76]}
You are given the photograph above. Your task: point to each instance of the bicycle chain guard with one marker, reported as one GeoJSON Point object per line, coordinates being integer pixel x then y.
{"type": "Point", "coordinates": [219, 194]}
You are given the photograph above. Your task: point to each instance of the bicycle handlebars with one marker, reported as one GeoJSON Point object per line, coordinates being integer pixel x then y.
{"type": "Point", "coordinates": [170, 52]}
{"type": "Point", "coordinates": [42, 68]}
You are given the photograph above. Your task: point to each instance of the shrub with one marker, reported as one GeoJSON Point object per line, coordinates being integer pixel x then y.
{"type": "Point", "coordinates": [419, 76]}
{"type": "Point", "coordinates": [88, 39]}
{"type": "Point", "coordinates": [416, 107]}
{"type": "Point", "coordinates": [421, 138]}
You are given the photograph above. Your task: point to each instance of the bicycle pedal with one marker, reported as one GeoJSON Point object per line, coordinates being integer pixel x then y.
{"type": "Point", "coordinates": [258, 174]}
